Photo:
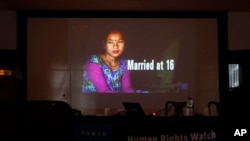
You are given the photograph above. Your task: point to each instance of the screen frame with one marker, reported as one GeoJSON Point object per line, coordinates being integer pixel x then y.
{"type": "Point", "coordinates": [22, 18]}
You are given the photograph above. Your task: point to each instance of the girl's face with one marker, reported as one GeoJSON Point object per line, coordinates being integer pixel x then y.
{"type": "Point", "coordinates": [114, 44]}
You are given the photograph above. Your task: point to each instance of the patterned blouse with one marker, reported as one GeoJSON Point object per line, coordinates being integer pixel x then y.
{"type": "Point", "coordinates": [99, 78]}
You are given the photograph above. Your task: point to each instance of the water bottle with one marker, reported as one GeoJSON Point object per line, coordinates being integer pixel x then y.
{"type": "Point", "coordinates": [189, 106]}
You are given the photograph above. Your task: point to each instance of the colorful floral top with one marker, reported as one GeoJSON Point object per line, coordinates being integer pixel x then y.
{"type": "Point", "coordinates": [99, 78]}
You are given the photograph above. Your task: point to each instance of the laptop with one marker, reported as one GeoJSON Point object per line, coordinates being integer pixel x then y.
{"type": "Point", "coordinates": [133, 109]}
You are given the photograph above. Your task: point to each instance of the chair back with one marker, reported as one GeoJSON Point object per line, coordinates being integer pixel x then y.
{"type": "Point", "coordinates": [174, 108]}
{"type": "Point", "coordinates": [214, 108]}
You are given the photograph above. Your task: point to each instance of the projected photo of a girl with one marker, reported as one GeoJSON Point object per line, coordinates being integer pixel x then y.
{"type": "Point", "coordinates": [107, 72]}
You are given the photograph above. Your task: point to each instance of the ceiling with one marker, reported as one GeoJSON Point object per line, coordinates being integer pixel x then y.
{"type": "Point", "coordinates": [139, 5]}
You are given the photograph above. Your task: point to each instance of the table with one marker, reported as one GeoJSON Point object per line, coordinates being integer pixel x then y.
{"type": "Point", "coordinates": [147, 128]}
